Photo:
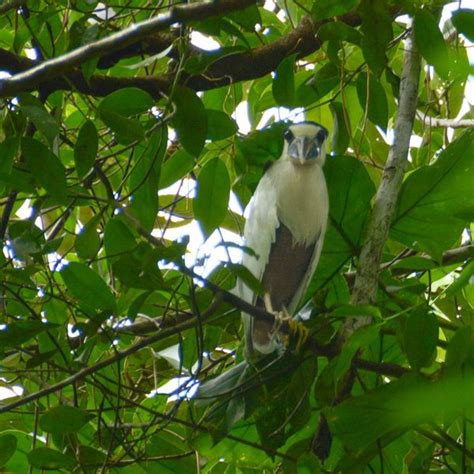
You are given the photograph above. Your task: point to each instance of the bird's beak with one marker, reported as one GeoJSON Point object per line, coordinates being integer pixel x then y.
{"type": "Point", "coordinates": [304, 149]}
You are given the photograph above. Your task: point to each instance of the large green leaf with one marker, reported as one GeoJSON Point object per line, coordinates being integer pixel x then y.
{"type": "Point", "coordinates": [436, 201]}
{"type": "Point", "coordinates": [463, 21]}
{"type": "Point", "coordinates": [179, 164]}
{"type": "Point", "coordinates": [323, 9]}
{"type": "Point", "coordinates": [350, 192]}
{"type": "Point", "coordinates": [212, 197]}
{"type": "Point", "coordinates": [283, 86]}
{"type": "Point", "coordinates": [420, 337]}
{"type": "Point", "coordinates": [190, 120]}
{"type": "Point", "coordinates": [145, 176]}
{"type": "Point", "coordinates": [85, 150]}
{"type": "Point", "coordinates": [127, 102]}
{"type": "Point", "coordinates": [377, 106]}
{"type": "Point", "coordinates": [47, 458]}
{"type": "Point", "coordinates": [430, 42]}
{"type": "Point", "coordinates": [45, 166]}
{"type": "Point", "coordinates": [84, 284]}
{"type": "Point", "coordinates": [63, 419]}
{"type": "Point", "coordinates": [8, 443]}
{"type": "Point", "coordinates": [18, 332]}
{"type": "Point", "coordinates": [395, 407]}
{"type": "Point", "coordinates": [377, 33]}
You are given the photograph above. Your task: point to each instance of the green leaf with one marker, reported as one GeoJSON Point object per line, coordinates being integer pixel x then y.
{"type": "Point", "coordinates": [41, 118]}
{"type": "Point", "coordinates": [459, 348]}
{"type": "Point", "coordinates": [8, 150]}
{"type": "Point", "coordinates": [323, 9]}
{"type": "Point", "coordinates": [377, 33]}
{"type": "Point", "coordinates": [127, 130]}
{"type": "Point", "coordinates": [84, 284]}
{"type": "Point", "coordinates": [190, 120]}
{"type": "Point", "coordinates": [283, 85]}
{"type": "Point", "coordinates": [212, 197]}
{"type": "Point", "coordinates": [350, 193]}
{"type": "Point", "coordinates": [436, 201]}
{"type": "Point", "coordinates": [64, 419]}
{"type": "Point", "coordinates": [143, 181]}
{"type": "Point", "coordinates": [420, 337]}
{"type": "Point", "coordinates": [339, 31]}
{"type": "Point", "coordinates": [8, 443]}
{"type": "Point", "coordinates": [340, 136]}
{"type": "Point", "coordinates": [88, 241]}
{"type": "Point", "coordinates": [118, 238]}
{"type": "Point", "coordinates": [377, 106]}
{"type": "Point", "coordinates": [463, 280]}
{"type": "Point", "coordinates": [45, 167]}
{"type": "Point", "coordinates": [18, 332]}
{"type": "Point", "coordinates": [393, 408]}
{"type": "Point", "coordinates": [219, 125]}
{"type": "Point", "coordinates": [178, 165]}
{"type": "Point", "coordinates": [85, 150]}
{"type": "Point", "coordinates": [463, 21]}
{"type": "Point", "coordinates": [430, 42]}
{"type": "Point", "coordinates": [47, 458]}
{"type": "Point", "coordinates": [325, 79]}
{"type": "Point", "coordinates": [127, 102]}
{"type": "Point", "coordinates": [247, 277]}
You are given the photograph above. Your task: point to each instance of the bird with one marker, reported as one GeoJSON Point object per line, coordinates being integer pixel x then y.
{"type": "Point", "coordinates": [285, 228]}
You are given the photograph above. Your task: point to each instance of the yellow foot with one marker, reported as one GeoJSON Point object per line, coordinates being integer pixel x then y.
{"type": "Point", "coordinates": [298, 333]}
{"type": "Point", "coordinates": [297, 336]}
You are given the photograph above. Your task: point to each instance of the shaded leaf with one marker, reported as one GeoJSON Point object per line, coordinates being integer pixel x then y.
{"type": "Point", "coordinates": [435, 201]}
{"type": "Point", "coordinates": [85, 285]}
{"type": "Point", "coordinates": [377, 33]}
{"type": "Point", "coordinates": [45, 166]}
{"type": "Point", "coordinates": [178, 165]}
{"type": "Point", "coordinates": [283, 85]}
{"type": "Point", "coordinates": [190, 120]}
{"type": "Point", "coordinates": [463, 21]}
{"type": "Point", "coordinates": [430, 42]}
{"type": "Point", "coordinates": [340, 135]}
{"type": "Point", "coordinates": [18, 332]}
{"type": "Point", "coordinates": [420, 336]}
{"type": "Point", "coordinates": [87, 242]}
{"type": "Point", "coordinates": [127, 102]}
{"type": "Point", "coordinates": [85, 150]}
{"type": "Point", "coordinates": [63, 419]}
{"type": "Point", "coordinates": [8, 444]}
{"type": "Point", "coordinates": [47, 458]}
{"type": "Point", "coordinates": [219, 125]}
{"type": "Point", "coordinates": [377, 105]}
{"type": "Point", "coordinates": [323, 9]}
{"type": "Point", "coordinates": [212, 197]}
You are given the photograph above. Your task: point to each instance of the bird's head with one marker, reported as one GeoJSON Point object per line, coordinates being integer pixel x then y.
{"type": "Point", "coordinates": [305, 143]}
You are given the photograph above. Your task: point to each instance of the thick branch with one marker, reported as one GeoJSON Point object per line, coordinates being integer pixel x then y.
{"type": "Point", "coordinates": [365, 286]}
{"type": "Point", "coordinates": [237, 67]}
{"type": "Point", "coordinates": [57, 66]}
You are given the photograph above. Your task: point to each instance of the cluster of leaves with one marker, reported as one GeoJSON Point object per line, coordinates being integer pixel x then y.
{"type": "Point", "coordinates": [88, 268]}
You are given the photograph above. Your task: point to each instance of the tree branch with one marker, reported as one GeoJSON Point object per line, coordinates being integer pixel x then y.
{"type": "Point", "coordinates": [435, 122]}
{"type": "Point", "coordinates": [365, 286]}
{"type": "Point", "coordinates": [58, 66]}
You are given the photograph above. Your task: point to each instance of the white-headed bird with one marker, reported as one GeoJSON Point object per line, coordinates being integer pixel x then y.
{"type": "Point", "coordinates": [285, 228]}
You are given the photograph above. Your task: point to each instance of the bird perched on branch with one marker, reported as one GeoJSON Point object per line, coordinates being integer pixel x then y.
{"type": "Point", "coordinates": [285, 228]}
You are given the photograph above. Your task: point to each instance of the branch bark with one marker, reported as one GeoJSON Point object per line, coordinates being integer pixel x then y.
{"type": "Point", "coordinates": [365, 286]}
{"type": "Point", "coordinates": [58, 66]}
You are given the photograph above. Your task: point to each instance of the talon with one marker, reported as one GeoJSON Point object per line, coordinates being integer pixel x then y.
{"type": "Point", "coordinates": [298, 333]}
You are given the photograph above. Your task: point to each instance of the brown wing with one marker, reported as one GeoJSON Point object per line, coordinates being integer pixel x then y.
{"type": "Point", "coordinates": [287, 265]}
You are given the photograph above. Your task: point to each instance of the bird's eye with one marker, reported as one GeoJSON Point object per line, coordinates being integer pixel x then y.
{"type": "Point", "coordinates": [288, 135]}
{"type": "Point", "coordinates": [322, 135]}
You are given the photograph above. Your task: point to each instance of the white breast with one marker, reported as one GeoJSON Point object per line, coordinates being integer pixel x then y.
{"type": "Point", "coordinates": [302, 199]}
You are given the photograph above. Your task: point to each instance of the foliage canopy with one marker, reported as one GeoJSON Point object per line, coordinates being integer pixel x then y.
{"type": "Point", "coordinates": [111, 111]}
